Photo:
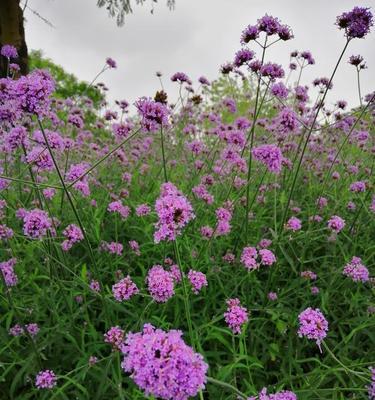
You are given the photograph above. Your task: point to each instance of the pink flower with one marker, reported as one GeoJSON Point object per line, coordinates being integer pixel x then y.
{"type": "Point", "coordinates": [124, 289]}
{"type": "Point", "coordinates": [236, 315]}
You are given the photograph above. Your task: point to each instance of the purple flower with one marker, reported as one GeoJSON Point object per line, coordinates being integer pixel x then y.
{"type": "Point", "coordinates": [46, 379]}
{"type": "Point", "coordinates": [197, 280]}
{"type": "Point", "coordinates": [33, 92]}
{"type": "Point", "coordinates": [162, 365]}
{"type": "Point", "coordinates": [358, 187]}
{"type": "Point", "coordinates": [279, 90]}
{"type": "Point", "coordinates": [313, 325]}
{"type": "Point", "coordinates": [336, 224]}
{"type": "Point", "coordinates": [251, 32]}
{"type": "Point", "coordinates": [272, 296]}
{"type": "Point", "coordinates": [124, 289]}
{"type": "Point", "coordinates": [115, 337]}
{"type": "Point", "coordinates": [356, 270]}
{"type": "Point", "coordinates": [356, 23]}
{"type": "Point", "coordinates": [266, 257]}
{"type": "Point", "coordinates": [242, 57]}
{"type": "Point", "coordinates": [9, 51]}
{"type": "Point", "coordinates": [111, 62]}
{"type": "Point", "coordinates": [248, 258]}
{"type": "Point", "coordinates": [36, 223]}
{"type": "Point", "coordinates": [294, 224]}
{"type": "Point", "coordinates": [7, 269]}
{"type": "Point", "coordinates": [73, 234]}
{"type": "Point", "coordinates": [181, 77]}
{"type": "Point", "coordinates": [160, 284]}
{"type": "Point", "coordinates": [153, 114]}
{"type": "Point", "coordinates": [236, 315]}
{"type": "Point", "coordinates": [272, 70]}
{"type": "Point", "coordinates": [33, 329]}
{"type": "Point", "coordinates": [174, 212]}
{"type": "Point", "coordinates": [270, 155]}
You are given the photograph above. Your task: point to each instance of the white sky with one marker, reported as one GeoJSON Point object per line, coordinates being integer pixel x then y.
{"type": "Point", "coordinates": [196, 38]}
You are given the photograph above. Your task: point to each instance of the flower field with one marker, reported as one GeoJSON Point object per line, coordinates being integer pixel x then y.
{"type": "Point", "coordinates": [220, 247]}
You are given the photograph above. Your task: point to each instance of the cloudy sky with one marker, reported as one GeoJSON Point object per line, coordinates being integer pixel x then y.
{"type": "Point", "coordinates": [196, 38]}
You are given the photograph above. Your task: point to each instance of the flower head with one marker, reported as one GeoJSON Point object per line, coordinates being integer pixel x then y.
{"type": "Point", "coordinates": [46, 379]}
{"type": "Point", "coordinates": [162, 365]}
{"type": "Point", "coordinates": [356, 23]}
{"type": "Point", "coordinates": [124, 289]}
{"type": "Point", "coordinates": [160, 284]}
{"type": "Point", "coordinates": [312, 325]}
{"type": "Point", "coordinates": [236, 315]}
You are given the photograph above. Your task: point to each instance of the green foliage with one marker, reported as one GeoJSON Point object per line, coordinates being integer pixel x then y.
{"type": "Point", "coordinates": [67, 85]}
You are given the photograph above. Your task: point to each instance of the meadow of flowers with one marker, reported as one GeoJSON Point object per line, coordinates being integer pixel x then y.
{"type": "Point", "coordinates": [218, 248]}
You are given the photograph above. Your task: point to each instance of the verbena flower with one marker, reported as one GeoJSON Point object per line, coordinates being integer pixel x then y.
{"type": "Point", "coordinates": [154, 115]}
{"type": "Point", "coordinates": [160, 284]}
{"type": "Point", "coordinates": [198, 280]}
{"type": "Point", "coordinates": [270, 155]}
{"type": "Point", "coordinates": [356, 270]}
{"type": "Point", "coordinates": [174, 212]}
{"type": "Point", "coordinates": [356, 23]}
{"type": "Point", "coordinates": [7, 269]}
{"type": "Point", "coordinates": [8, 51]}
{"type": "Point", "coordinates": [336, 223]}
{"type": "Point", "coordinates": [162, 365]}
{"type": "Point", "coordinates": [115, 337]}
{"type": "Point", "coordinates": [313, 325]}
{"type": "Point", "coordinates": [73, 234]}
{"type": "Point", "coordinates": [124, 289]}
{"type": "Point", "coordinates": [36, 224]}
{"type": "Point", "coordinates": [236, 315]}
{"type": "Point", "coordinates": [46, 379]}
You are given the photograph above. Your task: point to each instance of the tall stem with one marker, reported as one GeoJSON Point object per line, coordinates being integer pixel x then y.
{"type": "Point", "coordinates": [309, 134]}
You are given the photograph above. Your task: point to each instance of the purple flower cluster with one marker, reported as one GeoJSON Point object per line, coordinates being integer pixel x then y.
{"type": "Point", "coordinates": [46, 379]}
{"type": "Point", "coordinates": [117, 206]}
{"type": "Point", "coordinates": [9, 51]}
{"type": "Point", "coordinates": [154, 115]}
{"type": "Point", "coordinates": [270, 26]}
{"type": "Point", "coordinates": [198, 280]}
{"type": "Point", "coordinates": [270, 155]}
{"type": "Point", "coordinates": [160, 284]}
{"type": "Point", "coordinates": [356, 270]}
{"type": "Point", "coordinates": [252, 259]}
{"type": "Point", "coordinates": [356, 23]}
{"type": "Point", "coordinates": [73, 234]}
{"type": "Point", "coordinates": [7, 269]}
{"type": "Point", "coordinates": [371, 387]}
{"type": "Point", "coordinates": [293, 224]}
{"type": "Point", "coordinates": [282, 395]}
{"type": "Point", "coordinates": [312, 325]}
{"type": "Point", "coordinates": [36, 224]}
{"type": "Point", "coordinates": [174, 212]}
{"type": "Point", "coordinates": [162, 365]}
{"type": "Point", "coordinates": [336, 224]}
{"type": "Point", "coordinates": [236, 315]}
{"type": "Point", "coordinates": [124, 289]}
{"type": "Point", "coordinates": [115, 336]}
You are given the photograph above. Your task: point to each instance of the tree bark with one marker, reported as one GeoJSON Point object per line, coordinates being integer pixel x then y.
{"type": "Point", "coordinates": [12, 32]}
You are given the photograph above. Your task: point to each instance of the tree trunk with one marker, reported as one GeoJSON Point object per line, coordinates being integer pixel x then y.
{"type": "Point", "coordinates": [12, 32]}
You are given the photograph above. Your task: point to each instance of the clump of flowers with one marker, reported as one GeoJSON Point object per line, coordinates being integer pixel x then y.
{"type": "Point", "coordinates": [160, 284]}
{"type": "Point", "coordinates": [313, 325]}
{"type": "Point", "coordinates": [7, 269]}
{"type": "Point", "coordinates": [162, 364]}
{"type": "Point", "coordinates": [46, 379]}
{"type": "Point", "coordinates": [356, 23]}
{"type": "Point", "coordinates": [115, 336]}
{"type": "Point", "coordinates": [251, 258]}
{"type": "Point", "coordinates": [356, 270]}
{"type": "Point", "coordinates": [336, 224]}
{"type": "Point", "coordinates": [36, 223]}
{"type": "Point", "coordinates": [154, 115]}
{"type": "Point", "coordinates": [73, 234]}
{"type": "Point", "coordinates": [293, 224]}
{"type": "Point", "coordinates": [270, 155]}
{"type": "Point", "coordinates": [236, 315]}
{"type": "Point", "coordinates": [282, 395]}
{"type": "Point", "coordinates": [124, 289]}
{"type": "Point", "coordinates": [198, 280]}
{"type": "Point", "coordinates": [371, 387]}
{"type": "Point", "coordinates": [174, 212]}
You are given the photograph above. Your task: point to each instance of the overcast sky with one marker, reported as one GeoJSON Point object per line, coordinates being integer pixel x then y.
{"type": "Point", "coordinates": [196, 38]}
